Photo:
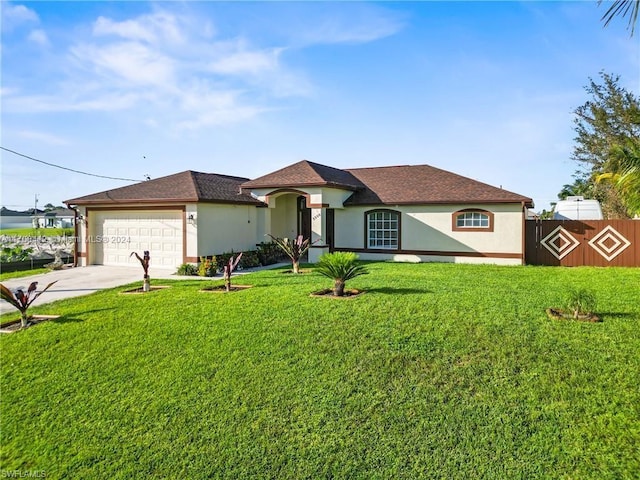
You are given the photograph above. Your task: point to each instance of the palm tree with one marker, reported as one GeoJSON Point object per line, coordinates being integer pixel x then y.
{"type": "Point", "coordinates": [622, 8]}
{"type": "Point", "coordinates": [340, 267]}
{"type": "Point", "coordinates": [624, 174]}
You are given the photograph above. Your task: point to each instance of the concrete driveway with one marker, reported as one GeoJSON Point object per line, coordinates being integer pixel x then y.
{"type": "Point", "coordinates": [74, 282]}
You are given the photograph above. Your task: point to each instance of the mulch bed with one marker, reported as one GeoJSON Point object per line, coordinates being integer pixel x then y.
{"type": "Point", "coordinates": [328, 293]}
{"type": "Point", "coordinates": [15, 325]}
{"type": "Point", "coordinates": [558, 314]}
{"type": "Point", "coordinates": [222, 289]}
{"type": "Point", "coordinates": [139, 290]}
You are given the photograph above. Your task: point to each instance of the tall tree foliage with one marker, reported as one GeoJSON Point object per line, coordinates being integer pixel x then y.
{"type": "Point", "coordinates": [607, 143]}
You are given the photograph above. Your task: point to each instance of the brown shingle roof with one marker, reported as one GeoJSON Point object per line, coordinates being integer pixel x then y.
{"type": "Point", "coordinates": [186, 186]}
{"type": "Point", "coordinates": [423, 184]}
{"type": "Point", "coordinates": [306, 174]}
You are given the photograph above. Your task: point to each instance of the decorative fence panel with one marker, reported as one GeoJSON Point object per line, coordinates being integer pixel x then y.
{"type": "Point", "coordinates": [571, 243]}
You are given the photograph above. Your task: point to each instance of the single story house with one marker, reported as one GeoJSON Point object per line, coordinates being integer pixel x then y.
{"type": "Point", "coordinates": [403, 213]}
{"type": "Point", "coordinates": [13, 219]}
{"type": "Point", "coordinates": [56, 218]}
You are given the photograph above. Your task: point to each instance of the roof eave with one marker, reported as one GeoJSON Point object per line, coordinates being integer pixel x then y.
{"type": "Point", "coordinates": [164, 201]}
{"type": "Point", "coordinates": [340, 186]}
{"type": "Point", "coordinates": [526, 202]}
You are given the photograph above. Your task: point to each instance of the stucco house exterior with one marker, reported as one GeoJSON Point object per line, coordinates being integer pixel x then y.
{"type": "Point", "coordinates": [56, 218]}
{"type": "Point", "coordinates": [403, 213]}
{"type": "Point", "coordinates": [14, 219]}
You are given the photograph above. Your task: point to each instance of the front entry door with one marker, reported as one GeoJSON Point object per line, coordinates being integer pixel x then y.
{"type": "Point", "coordinates": [304, 218]}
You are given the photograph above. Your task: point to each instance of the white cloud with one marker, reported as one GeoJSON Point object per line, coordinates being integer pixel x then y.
{"type": "Point", "coordinates": [357, 23]}
{"type": "Point", "coordinates": [39, 37]}
{"type": "Point", "coordinates": [247, 62]}
{"type": "Point", "coordinates": [178, 70]}
{"type": "Point", "coordinates": [17, 14]}
{"type": "Point", "coordinates": [130, 29]}
{"type": "Point", "coordinates": [130, 61]}
{"type": "Point", "coordinates": [149, 28]}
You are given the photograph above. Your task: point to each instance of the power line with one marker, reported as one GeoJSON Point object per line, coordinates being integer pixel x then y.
{"type": "Point", "coordinates": [65, 168]}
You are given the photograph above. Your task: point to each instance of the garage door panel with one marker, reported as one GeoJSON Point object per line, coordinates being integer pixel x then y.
{"type": "Point", "coordinates": [122, 232]}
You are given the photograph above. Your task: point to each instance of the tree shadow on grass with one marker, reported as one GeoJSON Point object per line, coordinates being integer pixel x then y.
{"type": "Point", "coordinates": [620, 315]}
{"type": "Point", "coordinates": [74, 317]}
{"type": "Point", "coordinates": [397, 291]}
{"type": "Point", "coordinates": [67, 319]}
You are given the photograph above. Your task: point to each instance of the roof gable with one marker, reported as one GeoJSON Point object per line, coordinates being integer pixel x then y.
{"type": "Point", "coordinates": [306, 174]}
{"type": "Point", "coordinates": [187, 186]}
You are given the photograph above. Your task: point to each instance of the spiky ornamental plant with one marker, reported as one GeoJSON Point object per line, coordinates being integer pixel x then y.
{"type": "Point", "coordinates": [341, 267]}
{"type": "Point", "coordinates": [228, 268]}
{"type": "Point", "coordinates": [293, 248]}
{"type": "Point", "coordinates": [144, 261]}
{"type": "Point", "coordinates": [21, 300]}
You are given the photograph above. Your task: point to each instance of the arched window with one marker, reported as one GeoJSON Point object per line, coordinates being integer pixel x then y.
{"type": "Point", "coordinates": [382, 229]}
{"type": "Point", "coordinates": [476, 220]}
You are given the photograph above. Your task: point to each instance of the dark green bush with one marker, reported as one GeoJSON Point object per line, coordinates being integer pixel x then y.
{"type": "Point", "coordinates": [249, 259]}
{"type": "Point", "coordinates": [269, 253]}
{"type": "Point", "coordinates": [187, 269]}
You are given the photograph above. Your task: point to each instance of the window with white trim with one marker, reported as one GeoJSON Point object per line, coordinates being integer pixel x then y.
{"type": "Point", "coordinates": [472, 220]}
{"type": "Point", "coordinates": [383, 229]}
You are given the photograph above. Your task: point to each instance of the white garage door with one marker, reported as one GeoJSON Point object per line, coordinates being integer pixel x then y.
{"type": "Point", "coordinates": [118, 233]}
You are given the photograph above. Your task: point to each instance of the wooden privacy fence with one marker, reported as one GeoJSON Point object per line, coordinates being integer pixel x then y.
{"type": "Point", "coordinates": [571, 243]}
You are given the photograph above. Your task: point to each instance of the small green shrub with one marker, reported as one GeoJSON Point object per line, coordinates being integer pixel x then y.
{"type": "Point", "coordinates": [187, 269]}
{"type": "Point", "coordinates": [580, 301]}
{"type": "Point", "coordinates": [208, 267]}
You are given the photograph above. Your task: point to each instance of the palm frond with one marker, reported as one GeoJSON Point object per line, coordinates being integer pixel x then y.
{"type": "Point", "coordinates": [622, 8]}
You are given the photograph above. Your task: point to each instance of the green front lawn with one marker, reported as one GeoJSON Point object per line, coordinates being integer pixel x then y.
{"type": "Point", "coordinates": [438, 371]}
{"type": "Point", "coordinates": [24, 273]}
{"type": "Point", "coordinates": [38, 232]}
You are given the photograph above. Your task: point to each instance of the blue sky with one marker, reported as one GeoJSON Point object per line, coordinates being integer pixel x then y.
{"type": "Point", "coordinates": [124, 89]}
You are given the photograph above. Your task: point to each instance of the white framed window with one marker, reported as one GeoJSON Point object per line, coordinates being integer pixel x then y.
{"type": "Point", "coordinates": [383, 229]}
{"type": "Point", "coordinates": [473, 220]}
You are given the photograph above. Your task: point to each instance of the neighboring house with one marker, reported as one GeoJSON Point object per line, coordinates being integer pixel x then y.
{"type": "Point", "coordinates": [403, 213]}
{"type": "Point", "coordinates": [14, 219]}
{"type": "Point", "coordinates": [56, 218]}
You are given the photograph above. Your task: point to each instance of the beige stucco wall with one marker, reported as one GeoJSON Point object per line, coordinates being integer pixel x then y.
{"type": "Point", "coordinates": [331, 197]}
{"type": "Point", "coordinates": [429, 228]}
{"type": "Point", "coordinates": [221, 228]}
{"type": "Point", "coordinates": [284, 216]}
